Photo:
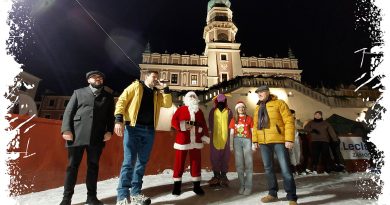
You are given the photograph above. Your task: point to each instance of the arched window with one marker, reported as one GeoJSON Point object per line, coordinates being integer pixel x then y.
{"type": "Point", "coordinates": [222, 37]}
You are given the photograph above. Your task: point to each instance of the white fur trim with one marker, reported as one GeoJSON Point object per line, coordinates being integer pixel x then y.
{"type": "Point", "coordinates": [205, 139]}
{"type": "Point", "coordinates": [183, 125]}
{"type": "Point", "coordinates": [196, 179]}
{"type": "Point", "coordinates": [239, 104]}
{"type": "Point", "coordinates": [177, 179]}
{"type": "Point", "coordinates": [188, 146]}
{"type": "Point", "coordinates": [192, 135]}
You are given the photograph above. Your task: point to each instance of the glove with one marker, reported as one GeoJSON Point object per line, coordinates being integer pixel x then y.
{"type": "Point", "coordinates": [254, 146]}
{"type": "Point", "coordinates": [315, 131]}
{"type": "Point", "coordinates": [205, 139]}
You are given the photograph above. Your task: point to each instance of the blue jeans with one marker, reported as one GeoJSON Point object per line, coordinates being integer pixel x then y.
{"type": "Point", "coordinates": [244, 161]}
{"type": "Point", "coordinates": [267, 154]}
{"type": "Point", "coordinates": [137, 145]}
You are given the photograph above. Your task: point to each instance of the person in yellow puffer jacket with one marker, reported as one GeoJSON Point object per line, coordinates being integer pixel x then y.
{"type": "Point", "coordinates": [274, 132]}
{"type": "Point", "coordinates": [136, 115]}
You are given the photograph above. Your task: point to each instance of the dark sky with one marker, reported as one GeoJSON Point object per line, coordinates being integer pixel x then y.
{"type": "Point", "coordinates": [67, 43]}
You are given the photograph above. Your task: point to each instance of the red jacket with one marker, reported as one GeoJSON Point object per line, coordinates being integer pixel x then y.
{"type": "Point", "coordinates": [189, 139]}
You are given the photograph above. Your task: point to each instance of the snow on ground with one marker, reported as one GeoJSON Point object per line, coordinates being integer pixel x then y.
{"type": "Point", "coordinates": [335, 188]}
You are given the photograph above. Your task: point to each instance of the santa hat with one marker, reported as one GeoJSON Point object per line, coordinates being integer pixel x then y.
{"type": "Point", "coordinates": [239, 104]}
{"type": "Point", "coordinates": [190, 93]}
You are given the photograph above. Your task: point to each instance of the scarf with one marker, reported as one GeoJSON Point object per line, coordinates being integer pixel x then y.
{"type": "Point", "coordinates": [263, 121]}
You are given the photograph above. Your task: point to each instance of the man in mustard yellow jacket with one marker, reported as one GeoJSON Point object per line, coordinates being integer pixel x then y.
{"type": "Point", "coordinates": [136, 116]}
{"type": "Point", "coordinates": [274, 131]}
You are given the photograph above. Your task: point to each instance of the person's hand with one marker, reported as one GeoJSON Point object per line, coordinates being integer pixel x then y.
{"type": "Point", "coordinates": [254, 146]}
{"type": "Point", "coordinates": [315, 131]}
{"type": "Point", "coordinates": [119, 128]}
{"type": "Point", "coordinates": [188, 126]}
{"type": "Point", "coordinates": [107, 136]}
{"type": "Point", "coordinates": [289, 145]}
{"type": "Point", "coordinates": [67, 135]}
{"type": "Point", "coordinates": [160, 83]}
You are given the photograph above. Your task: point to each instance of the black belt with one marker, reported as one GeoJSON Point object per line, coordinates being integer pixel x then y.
{"type": "Point", "coordinates": [193, 123]}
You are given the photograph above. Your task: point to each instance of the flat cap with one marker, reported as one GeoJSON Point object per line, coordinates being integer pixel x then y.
{"type": "Point", "coordinates": [94, 72]}
{"type": "Point", "coordinates": [262, 88]}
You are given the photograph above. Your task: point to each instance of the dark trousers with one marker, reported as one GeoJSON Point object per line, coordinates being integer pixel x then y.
{"type": "Point", "coordinates": [305, 145]}
{"type": "Point", "coordinates": [75, 155]}
{"type": "Point", "coordinates": [320, 149]}
{"type": "Point", "coordinates": [335, 148]}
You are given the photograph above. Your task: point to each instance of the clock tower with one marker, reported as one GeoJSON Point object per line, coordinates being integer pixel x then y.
{"type": "Point", "coordinates": [223, 52]}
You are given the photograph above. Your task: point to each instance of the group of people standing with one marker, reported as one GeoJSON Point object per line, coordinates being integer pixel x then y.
{"type": "Point", "coordinates": [91, 117]}
{"type": "Point", "coordinates": [272, 129]}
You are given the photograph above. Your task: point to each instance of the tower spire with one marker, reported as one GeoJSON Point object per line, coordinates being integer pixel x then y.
{"type": "Point", "coordinates": [220, 3]}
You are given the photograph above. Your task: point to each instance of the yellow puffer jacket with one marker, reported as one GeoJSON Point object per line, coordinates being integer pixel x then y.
{"type": "Point", "coordinates": [129, 102]}
{"type": "Point", "coordinates": [281, 122]}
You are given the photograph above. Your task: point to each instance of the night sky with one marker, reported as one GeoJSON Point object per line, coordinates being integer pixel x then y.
{"type": "Point", "coordinates": [67, 43]}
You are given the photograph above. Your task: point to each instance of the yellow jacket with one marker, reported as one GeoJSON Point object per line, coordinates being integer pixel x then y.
{"type": "Point", "coordinates": [129, 102]}
{"type": "Point", "coordinates": [281, 123]}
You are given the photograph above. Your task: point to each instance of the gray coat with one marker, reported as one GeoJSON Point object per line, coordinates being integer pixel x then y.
{"type": "Point", "coordinates": [88, 117]}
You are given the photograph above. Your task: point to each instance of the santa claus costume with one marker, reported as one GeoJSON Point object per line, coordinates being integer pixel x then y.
{"type": "Point", "coordinates": [192, 132]}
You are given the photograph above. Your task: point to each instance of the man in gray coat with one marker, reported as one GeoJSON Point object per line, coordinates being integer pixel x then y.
{"type": "Point", "coordinates": [87, 124]}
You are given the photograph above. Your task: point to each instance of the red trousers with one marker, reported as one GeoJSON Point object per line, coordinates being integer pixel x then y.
{"type": "Point", "coordinates": [195, 164]}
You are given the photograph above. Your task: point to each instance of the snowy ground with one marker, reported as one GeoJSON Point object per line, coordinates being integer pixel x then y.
{"type": "Point", "coordinates": [336, 188]}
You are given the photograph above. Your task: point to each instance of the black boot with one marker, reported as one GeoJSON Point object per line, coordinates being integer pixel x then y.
{"type": "Point", "coordinates": [177, 188]}
{"type": "Point", "coordinates": [93, 200]}
{"type": "Point", "coordinates": [215, 180]}
{"type": "Point", "coordinates": [66, 201]}
{"type": "Point", "coordinates": [224, 181]}
{"type": "Point", "coordinates": [197, 189]}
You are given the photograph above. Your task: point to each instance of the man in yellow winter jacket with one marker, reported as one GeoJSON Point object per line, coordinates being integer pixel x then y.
{"type": "Point", "coordinates": [136, 116]}
{"type": "Point", "coordinates": [273, 130]}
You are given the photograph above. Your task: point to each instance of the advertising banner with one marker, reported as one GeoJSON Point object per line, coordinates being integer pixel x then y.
{"type": "Point", "coordinates": [353, 147]}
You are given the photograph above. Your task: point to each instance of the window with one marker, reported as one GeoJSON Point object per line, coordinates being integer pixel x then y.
{"type": "Point", "coordinates": [224, 77]}
{"type": "Point", "coordinates": [66, 103]}
{"type": "Point", "coordinates": [51, 103]}
{"type": "Point", "coordinates": [222, 37]}
{"type": "Point", "coordinates": [223, 57]}
{"type": "Point", "coordinates": [194, 80]}
{"type": "Point", "coordinates": [174, 78]}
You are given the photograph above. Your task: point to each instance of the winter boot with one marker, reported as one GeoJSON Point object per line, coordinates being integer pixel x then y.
{"type": "Point", "coordinates": [66, 201]}
{"type": "Point", "coordinates": [197, 189]}
{"type": "Point", "coordinates": [93, 200]}
{"type": "Point", "coordinates": [176, 188]}
{"type": "Point", "coordinates": [224, 181]}
{"type": "Point", "coordinates": [215, 181]}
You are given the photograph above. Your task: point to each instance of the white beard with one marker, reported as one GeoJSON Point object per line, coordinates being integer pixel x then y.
{"type": "Point", "coordinates": [193, 104]}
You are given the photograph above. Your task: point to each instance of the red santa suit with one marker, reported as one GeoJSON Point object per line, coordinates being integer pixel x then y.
{"type": "Point", "coordinates": [189, 141]}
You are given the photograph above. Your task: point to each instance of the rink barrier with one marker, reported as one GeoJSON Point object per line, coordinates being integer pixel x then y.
{"type": "Point", "coordinates": [42, 164]}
